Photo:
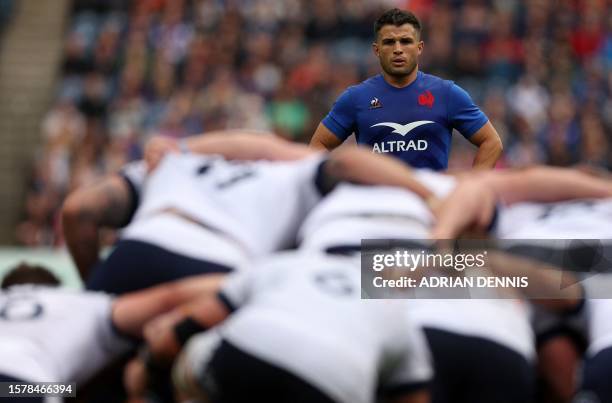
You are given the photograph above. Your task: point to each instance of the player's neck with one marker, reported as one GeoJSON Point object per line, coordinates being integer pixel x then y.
{"type": "Point", "coordinates": [401, 81]}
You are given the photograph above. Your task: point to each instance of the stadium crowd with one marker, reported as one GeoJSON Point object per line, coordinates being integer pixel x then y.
{"type": "Point", "coordinates": [539, 69]}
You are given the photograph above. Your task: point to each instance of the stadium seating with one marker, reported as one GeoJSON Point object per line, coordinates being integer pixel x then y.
{"type": "Point", "coordinates": [538, 69]}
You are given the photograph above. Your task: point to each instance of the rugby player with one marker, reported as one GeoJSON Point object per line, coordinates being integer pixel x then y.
{"type": "Point", "coordinates": [293, 329]}
{"type": "Point", "coordinates": [393, 213]}
{"type": "Point", "coordinates": [112, 202]}
{"type": "Point", "coordinates": [51, 334]}
{"type": "Point", "coordinates": [475, 332]}
{"type": "Point", "coordinates": [404, 112]}
{"type": "Point", "coordinates": [202, 214]}
{"type": "Point", "coordinates": [481, 349]}
{"type": "Point", "coordinates": [561, 339]}
{"type": "Point", "coordinates": [494, 335]}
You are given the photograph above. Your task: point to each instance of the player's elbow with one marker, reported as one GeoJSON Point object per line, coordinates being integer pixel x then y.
{"type": "Point", "coordinates": [323, 139]}
{"type": "Point", "coordinates": [488, 139]}
{"type": "Point", "coordinates": [499, 145]}
{"type": "Point", "coordinates": [72, 210]}
{"type": "Point", "coordinates": [79, 213]}
{"type": "Point", "coordinates": [493, 143]}
{"type": "Point", "coordinates": [341, 163]}
{"type": "Point", "coordinates": [489, 151]}
{"type": "Point", "coordinates": [318, 145]}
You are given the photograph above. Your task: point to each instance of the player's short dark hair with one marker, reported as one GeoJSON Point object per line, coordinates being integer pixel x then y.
{"type": "Point", "coordinates": [25, 273]}
{"type": "Point", "coordinates": [397, 17]}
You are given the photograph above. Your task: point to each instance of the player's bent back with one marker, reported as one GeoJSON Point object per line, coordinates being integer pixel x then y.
{"type": "Point", "coordinates": [301, 316]}
{"type": "Point", "coordinates": [56, 335]}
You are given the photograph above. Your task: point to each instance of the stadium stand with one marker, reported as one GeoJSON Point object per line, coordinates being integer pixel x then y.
{"type": "Point", "coordinates": [6, 10]}
{"type": "Point", "coordinates": [29, 53]}
{"type": "Point", "coordinates": [540, 70]}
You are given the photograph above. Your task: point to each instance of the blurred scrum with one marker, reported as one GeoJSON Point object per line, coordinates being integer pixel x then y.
{"type": "Point", "coordinates": [541, 71]}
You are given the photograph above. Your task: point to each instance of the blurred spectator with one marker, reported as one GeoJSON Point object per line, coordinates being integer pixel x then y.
{"type": "Point", "coordinates": [288, 114]}
{"type": "Point", "coordinates": [588, 37]}
{"type": "Point", "coordinates": [524, 149]}
{"type": "Point", "coordinates": [503, 52]}
{"type": "Point", "coordinates": [541, 70]}
{"type": "Point", "coordinates": [561, 135]}
{"type": "Point", "coordinates": [529, 100]}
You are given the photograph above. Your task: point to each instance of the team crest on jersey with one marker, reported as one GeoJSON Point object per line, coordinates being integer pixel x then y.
{"type": "Point", "coordinates": [426, 99]}
{"type": "Point", "coordinates": [375, 103]}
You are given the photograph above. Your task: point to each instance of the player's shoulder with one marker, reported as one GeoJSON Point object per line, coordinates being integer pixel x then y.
{"type": "Point", "coordinates": [432, 81]}
{"type": "Point", "coordinates": [367, 85]}
{"type": "Point", "coordinates": [365, 91]}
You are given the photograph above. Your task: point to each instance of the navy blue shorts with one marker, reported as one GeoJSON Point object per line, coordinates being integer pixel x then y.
{"type": "Point", "coordinates": [472, 369]}
{"type": "Point", "coordinates": [235, 376]}
{"type": "Point", "coordinates": [134, 265]}
{"type": "Point", "coordinates": [596, 378]}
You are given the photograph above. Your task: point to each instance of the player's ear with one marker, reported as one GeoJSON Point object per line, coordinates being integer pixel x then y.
{"type": "Point", "coordinates": [420, 46]}
{"type": "Point", "coordinates": [375, 49]}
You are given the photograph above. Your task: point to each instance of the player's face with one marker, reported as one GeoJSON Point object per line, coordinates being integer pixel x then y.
{"type": "Point", "coordinates": [398, 49]}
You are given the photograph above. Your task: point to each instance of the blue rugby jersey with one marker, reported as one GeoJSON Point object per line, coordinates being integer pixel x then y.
{"type": "Point", "coordinates": [413, 123]}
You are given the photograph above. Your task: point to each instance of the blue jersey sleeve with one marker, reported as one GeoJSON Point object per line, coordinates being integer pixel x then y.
{"type": "Point", "coordinates": [341, 119]}
{"type": "Point", "coordinates": [463, 114]}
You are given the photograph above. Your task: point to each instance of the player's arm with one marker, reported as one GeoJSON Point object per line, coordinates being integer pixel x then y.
{"type": "Point", "coordinates": [165, 336]}
{"type": "Point", "coordinates": [472, 204]}
{"type": "Point", "coordinates": [547, 184]}
{"type": "Point", "coordinates": [337, 126]}
{"type": "Point", "coordinates": [548, 286]}
{"type": "Point", "coordinates": [132, 311]}
{"type": "Point", "coordinates": [473, 124]}
{"type": "Point", "coordinates": [167, 333]}
{"type": "Point", "coordinates": [470, 207]}
{"type": "Point", "coordinates": [231, 144]}
{"type": "Point", "coordinates": [85, 211]}
{"type": "Point", "coordinates": [247, 145]}
{"type": "Point", "coordinates": [324, 139]}
{"type": "Point", "coordinates": [359, 165]}
{"type": "Point", "coordinates": [205, 314]}
{"type": "Point", "coordinates": [489, 145]}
